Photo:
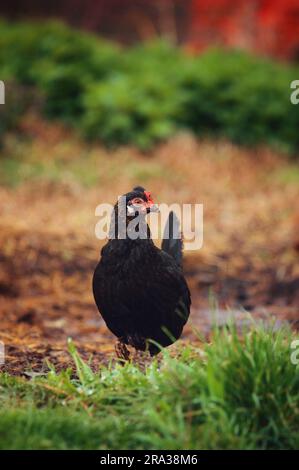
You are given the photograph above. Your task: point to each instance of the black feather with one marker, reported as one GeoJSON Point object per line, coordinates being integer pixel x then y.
{"type": "Point", "coordinates": [139, 189]}
{"type": "Point", "coordinates": [172, 239]}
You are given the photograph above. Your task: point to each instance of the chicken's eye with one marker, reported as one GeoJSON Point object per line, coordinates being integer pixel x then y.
{"type": "Point", "coordinates": [137, 200]}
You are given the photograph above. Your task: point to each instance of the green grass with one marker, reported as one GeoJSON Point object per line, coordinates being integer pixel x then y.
{"type": "Point", "coordinates": [233, 393]}
{"type": "Point", "coordinates": [14, 172]}
{"type": "Point", "coordinates": [288, 176]}
{"type": "Point", "coordinates": [21, 161]}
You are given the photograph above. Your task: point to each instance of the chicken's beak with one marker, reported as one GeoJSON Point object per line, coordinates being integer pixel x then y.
{"type": "Point", "coordinates": [152, 208]}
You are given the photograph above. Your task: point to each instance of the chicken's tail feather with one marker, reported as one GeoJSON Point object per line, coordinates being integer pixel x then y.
{"type": "Point", "coordinates": [172, 238]}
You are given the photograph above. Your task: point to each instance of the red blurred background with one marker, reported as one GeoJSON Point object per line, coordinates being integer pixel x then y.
{"type": "Point", "coordinates": [268, 27]}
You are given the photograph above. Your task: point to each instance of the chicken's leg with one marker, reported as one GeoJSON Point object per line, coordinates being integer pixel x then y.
{"type": "Point", "coordinates": [122, 351]}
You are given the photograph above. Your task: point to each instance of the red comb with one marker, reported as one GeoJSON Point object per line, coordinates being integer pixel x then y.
{"type": "Point", "coordinates": [148, 195]}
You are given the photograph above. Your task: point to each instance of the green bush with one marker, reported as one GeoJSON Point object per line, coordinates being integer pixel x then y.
{"type": "Point", "coordinates": [146, 93]}
{"type": "Point", "coordinates": [243, 98]}
{"type": "Point", "coordinates": [61, 62]}
{"type": "Point", "coordinates": [128, 109]}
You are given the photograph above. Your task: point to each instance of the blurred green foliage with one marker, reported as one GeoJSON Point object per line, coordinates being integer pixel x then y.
{"type": "Point", "coordinates": [18, 99]}
{"type": "Point", "coordinates": [145, 94]}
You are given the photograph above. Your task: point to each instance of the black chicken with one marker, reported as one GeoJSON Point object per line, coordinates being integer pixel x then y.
{"type": "Point", "coordinates": [139, 289]}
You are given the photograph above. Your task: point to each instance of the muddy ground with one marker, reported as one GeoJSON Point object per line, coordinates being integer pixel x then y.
{"type": "Point", "coordinates": [249, 265]}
